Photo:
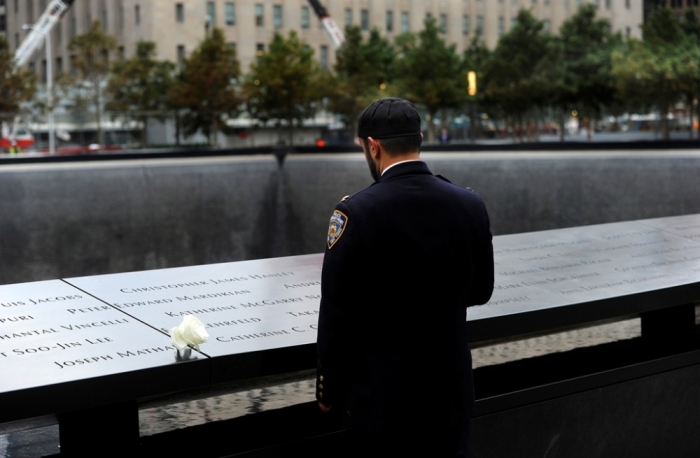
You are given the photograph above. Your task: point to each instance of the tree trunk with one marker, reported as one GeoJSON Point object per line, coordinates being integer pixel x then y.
{"type": "Point", "coordinates": [562, 125]}
{"type": "Point", "coordinates": [144, 132]}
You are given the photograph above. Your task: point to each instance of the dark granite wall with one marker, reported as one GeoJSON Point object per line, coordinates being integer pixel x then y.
{"type": "Point", "coordinates": [66, 220]}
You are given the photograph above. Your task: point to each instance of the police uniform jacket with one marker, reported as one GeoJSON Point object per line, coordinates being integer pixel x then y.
{"type": "Point", "coordinates": [405, 258]}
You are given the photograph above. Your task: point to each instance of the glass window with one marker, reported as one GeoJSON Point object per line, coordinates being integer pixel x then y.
{"type": "Point", "coordinates": [627, 4]}
{"type": "Point", "coordinates": [443, 23]}
{"type": "Point", "coordinates": [389, 21]}
{"type": "Point", "coordinates": [259, 49]}
{"type": "Point", "coordinates": [305, 18]}
{"type": "Point", "coordinates": [137, 14]}
{"type": "Point", "coordinates": [501, 26]}
{"type": "Point", "coordinates": [277, 16]}
{"type": "Point", "coordinates": [547, 26]}
{"type": "Point", "coordinates": [230, 13]}
{"type": "Point", "coordinates": [348, 17]}
{"type": "Point", "coordinates": [364, 19]}
{"type": "Point", "coordinates": [259, 14]}
{"type": "Point", "coordinates": [211, 12]}
{"type": "Point", "coordinates": [180, 55]}
{"type": "Point", "coordinates": [404, 22]}
{"type": "Point", "coordinates": [465, 24]}
{"type": "Point", "coordinates": [179, 12]}
{"type": "Point", "coordinates": [479, 25]}
{"type": "Point", "coordinates": [323, 56]}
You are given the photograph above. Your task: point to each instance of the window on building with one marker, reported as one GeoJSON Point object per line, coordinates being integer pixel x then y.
{"type": "Point", "coordinates": [277, 16]}
{"type": "Point", "coordinates": [305, 17]}
{"type": "Point", "coordinates": [232, 45]}
{"type": "Point", "coordinates": [546, 2]}
{"type": "Point", "coordinates": [260, 49]}
{"type": "Point", "coordinates": [501, 26]}
{"type": "Point", "coordinates": [389, 21]}
{"type": "Point", "coordinates": [405, 25]}
{"type": "Point", "coordinates": [547, 26]}
{"type": "Point", "coordinates": [443, 23]}
{"type": "Point", "coordinates": [627, 4]}
{"type": "Point", "coordinates": [44, 72]}
{"type": "Point", "coordinates": [211, 13]}
{"type": "Point", "coordinates": [59, 33]}
{"type": "Point", "coordinates": [479, 25]}
{"type": "Point", "coordinates": [73, 24]}
{"type": "Point", "coordinates": [137, 14]}
{"type": "Point", "coordinates": [2, 22]}
{"type": "Point", "coordinates": [364, 19]}
{"type": "Point", "coordinates": [30, 9]}
{"type": "Point", "coordinates": [16, 40]}
{"type": "Point", "coordinates": [121, 17]}
{"type": "Point", "coordinates": [628, 32]}
{"type": "Point", "coordinates": [120, 53]}
{"type": "Point", "coordinates": [180, 55]}
{"type": "Point", "coordinates": [323, 56]}
{"type": "Point", "coordinates": [105, 21]}
{"type": "Point", "coordinates": [534, 2]}
{"type": "Point", "coordinates": [16, 6]}
{"type": "Point", "coordinates": [230, 13]}
{"type": "Point", "coordinates": [465, 24]}
{"type": "Point", "coordinates": [259, 14]}
{"type": "Point", "coordinates": [607, 4]}
{"type": "Point", "coordinates": [179, 12]}
{"type": "Point", "coordinates": [59, 65]}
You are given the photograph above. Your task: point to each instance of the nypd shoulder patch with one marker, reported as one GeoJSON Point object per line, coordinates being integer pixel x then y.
{"type": "Point", "coordinates": [336, 227]}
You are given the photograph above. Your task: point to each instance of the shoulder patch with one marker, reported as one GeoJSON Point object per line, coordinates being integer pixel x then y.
{"type": "Point", "coordinates": [336, 227]}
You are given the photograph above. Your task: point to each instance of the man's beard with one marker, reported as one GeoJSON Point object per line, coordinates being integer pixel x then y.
{"type": "Point", "coordinates": [373, 170]}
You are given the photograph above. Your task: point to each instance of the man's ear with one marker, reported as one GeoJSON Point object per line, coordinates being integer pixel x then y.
{"type": "Point", "coordinates": [374, 147]}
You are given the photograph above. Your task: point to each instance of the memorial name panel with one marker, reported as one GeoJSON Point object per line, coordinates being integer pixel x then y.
{"type": "Point", "coordinates": [685, 226]}
{"type": "Point", "coordinates": [50, 332]}
{"type": "Point", "coordinates": [245, 306]}
{"type": "Point", "coordinates": [543, 270]}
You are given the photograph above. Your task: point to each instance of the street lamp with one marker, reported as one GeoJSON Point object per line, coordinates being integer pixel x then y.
{"type": "Point", "coordinates": [49, 87]}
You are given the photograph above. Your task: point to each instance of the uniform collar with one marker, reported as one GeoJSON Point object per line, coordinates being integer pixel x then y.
{"type": "Point", "coordinates": [405, 168]}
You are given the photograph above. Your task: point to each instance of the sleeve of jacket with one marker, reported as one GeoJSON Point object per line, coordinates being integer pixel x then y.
{"type": "Point", "coordinates": [483, 264]}
{"type": "Point", "coordinates": [334, 341]}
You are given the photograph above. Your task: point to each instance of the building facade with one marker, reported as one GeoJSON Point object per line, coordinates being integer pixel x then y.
{"type": "Point", "coordinates": [3, 18]}
{"type": "Point", "coordinates": [177, 26]}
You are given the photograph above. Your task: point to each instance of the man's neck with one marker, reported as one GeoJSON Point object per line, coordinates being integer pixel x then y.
{"type": "Point", "coordinates": [396, 160]}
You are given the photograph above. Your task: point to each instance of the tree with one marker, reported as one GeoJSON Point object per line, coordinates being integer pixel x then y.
{"type": "Point", "coordinates": [207, 87]}
{"type": "Point", "coordinates": [16, 86]}
{"type": "Point", "coordinates": [429, 72]}
{"type": "Point", "coordinates": [659, 70]}
{"type": "Point", "coordinates": [139, 86]}
{"type": "Point", "coordinates": [90, 59]}
{"type": "Point", "coordinates": [363, 70]}
{"type": "Point", "coordinates": [285, 83]}
{"type": "Point", "coordinates": [517, 76]}
{"type": "Point", "coordinates": [475, 59]}
{"type": "Point", "coordinates": [584, 50]}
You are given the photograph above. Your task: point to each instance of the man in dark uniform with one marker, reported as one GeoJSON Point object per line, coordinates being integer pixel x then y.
{"type": "Point", "coordinates": [405, 258]}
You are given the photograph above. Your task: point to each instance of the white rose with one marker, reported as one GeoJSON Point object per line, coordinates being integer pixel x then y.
{"type": "Point", "coordinates": [190, 333]}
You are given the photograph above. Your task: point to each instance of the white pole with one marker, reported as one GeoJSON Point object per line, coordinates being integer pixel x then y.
{"type": "Point", "coordinates": [49, 96]}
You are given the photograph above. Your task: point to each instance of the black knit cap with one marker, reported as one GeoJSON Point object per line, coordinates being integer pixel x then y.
{"type": "Point", "coordinates": [389, 118]}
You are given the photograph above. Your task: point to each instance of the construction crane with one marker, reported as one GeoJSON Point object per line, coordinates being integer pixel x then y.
{"type": "Point", "coordinates": [42, 27]}
{"type": "Point", "coordinates": [329, 24]}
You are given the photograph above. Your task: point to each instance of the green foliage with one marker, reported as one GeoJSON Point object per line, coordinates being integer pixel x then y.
{"type": "Point", "coordinates": [16, 86]}
{"type": "Point", "coordinates": [90, 58]}
{"type": "Point", "coordinates": [285, 83]}
{"type": "Point", "coordinates": [206, 87]}
{"type": "Point", "coordinates": [517, 76]}
{"type": "Point", "coordinates": [139, 86]}
{"type": "Point", "coordinates": [583, 50]}
{"type": "Point", "coordinates": [364, 69]}
{"type": "Point", "coordinates": [430, 72]}
{"type": "Point", "coordinates": [660, 70]}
